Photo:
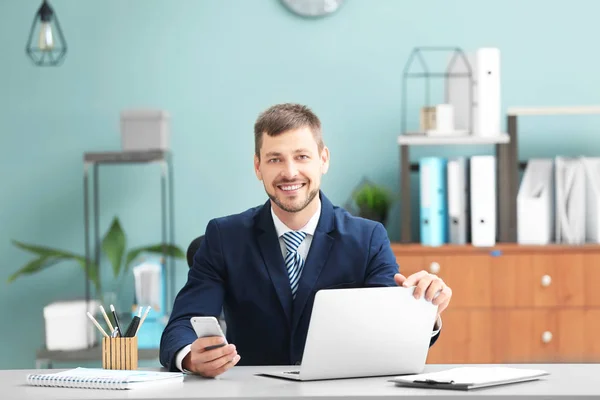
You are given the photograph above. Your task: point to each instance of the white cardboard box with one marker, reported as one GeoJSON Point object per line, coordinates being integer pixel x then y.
{"type": "Point", "coordinates": [145, 129]}
{"type": "Point", "coordinates": [67, 325]}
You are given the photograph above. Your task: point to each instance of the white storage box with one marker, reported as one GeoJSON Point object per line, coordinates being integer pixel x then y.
{"type": "Point", "coordinates": [68, 326]}
{"type": "Point", "coordinates": [145, 130]}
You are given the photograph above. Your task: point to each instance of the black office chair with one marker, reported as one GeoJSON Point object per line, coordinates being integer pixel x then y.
{"type": "Point", "coordinates": [192, 249]}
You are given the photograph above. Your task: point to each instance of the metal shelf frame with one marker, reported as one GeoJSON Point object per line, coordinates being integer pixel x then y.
{"type": "Point", "coordinates": [93, 161]}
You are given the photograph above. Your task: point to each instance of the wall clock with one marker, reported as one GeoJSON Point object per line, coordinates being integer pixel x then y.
{"type": "Point", "coordinates": [313, 8]}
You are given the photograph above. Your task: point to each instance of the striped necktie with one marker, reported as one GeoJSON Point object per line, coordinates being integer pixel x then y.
{"type": "Point", "coordinates": [293, 261]}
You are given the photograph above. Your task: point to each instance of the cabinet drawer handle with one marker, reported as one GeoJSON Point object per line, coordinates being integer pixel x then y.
{"type": "Point", "coordinates": [434, 268]}
{"type": "Point", "coordinates": [546, 280]}
{"type": "Point", "coordinates": [546, 337]}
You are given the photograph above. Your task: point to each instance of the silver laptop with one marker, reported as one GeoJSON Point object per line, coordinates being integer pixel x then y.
{"type": "Point", "coordinates": [365, 332]}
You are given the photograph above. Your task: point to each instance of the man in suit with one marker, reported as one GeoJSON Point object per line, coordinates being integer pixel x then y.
{"type": "Point", "coordinates": [262, 267]}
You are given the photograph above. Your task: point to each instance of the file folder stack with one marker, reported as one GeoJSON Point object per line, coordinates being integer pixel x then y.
{"type": "Point", "coordinates": [535, 203]}
{"type": "Point", "coordinates": [570, 201]}
{"type": "Point", "coordinates": [458, 201]}
{"type": "Point", "coordinates": [592, 174]}
{"type": "Point", "coordinates": [559, 200]}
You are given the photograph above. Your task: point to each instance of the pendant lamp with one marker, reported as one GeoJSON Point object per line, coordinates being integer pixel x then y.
{"type": "Point", "coordinates": [46, 45]}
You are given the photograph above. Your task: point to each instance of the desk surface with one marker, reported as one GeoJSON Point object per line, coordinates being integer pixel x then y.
{"type": "Point", "coordinates": [242, 383]}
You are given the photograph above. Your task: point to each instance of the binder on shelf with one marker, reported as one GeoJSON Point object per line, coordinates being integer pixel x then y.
{"type": "Point", "coordinates": [485, 106]}
{"type": "Point", "coordinates": [591, 167]}
{"type": "Point", "coordinates": [458, 195]}
{"type": "Point", "coordinates": [433, 209]}
{"type": "Point", "coordinates": [483, 200]}
{"type": "Point", "coordinates": [535, 203]}
{"type": "Point", "coordinates": [487, 92]}
{"type": "Point", "coordinates": [570, 201]}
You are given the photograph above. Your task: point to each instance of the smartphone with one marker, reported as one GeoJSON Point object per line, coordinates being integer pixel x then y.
{"type": "Point", "coordinates": [208, 326]}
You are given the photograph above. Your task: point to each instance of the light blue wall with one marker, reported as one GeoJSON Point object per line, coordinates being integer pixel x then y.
{"type": "Point", "coordinates": [215, 65]}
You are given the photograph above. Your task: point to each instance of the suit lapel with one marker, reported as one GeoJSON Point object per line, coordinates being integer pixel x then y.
{"type": "Point", "coordinates": [317, 257]}
{"type": "Point", "coordinates": [268, 244]}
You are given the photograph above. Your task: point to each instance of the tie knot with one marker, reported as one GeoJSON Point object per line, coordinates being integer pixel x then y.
{"type": "Point", "coordinates": [293, 239]}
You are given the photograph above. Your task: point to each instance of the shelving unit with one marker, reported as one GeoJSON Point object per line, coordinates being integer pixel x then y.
{"type": "Point", "coordinates": [93, 161]}
{"type": "Point", "coordinates": [422, 140]}
{"type": "Point", "coordinates": [164, 159]}
{"type": "Point", "coordinates": [502, 156]}
{"type": "Point", "coordinates": [409, 138]}
{"type": "Point", "coordinates": [509, 175]}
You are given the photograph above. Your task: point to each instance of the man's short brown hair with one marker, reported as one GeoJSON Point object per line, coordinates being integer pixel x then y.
{"type": "Point", "coordinates": [281, 118]}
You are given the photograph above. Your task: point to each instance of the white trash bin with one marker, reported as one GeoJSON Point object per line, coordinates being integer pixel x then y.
{"type": "Point", "coordinates": [68, 327]}
{"type": "Point", "coordinates": [145, 129]}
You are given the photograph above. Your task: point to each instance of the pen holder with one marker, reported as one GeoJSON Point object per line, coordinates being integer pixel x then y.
{"type": "Point", "coordinates": [120, 353]}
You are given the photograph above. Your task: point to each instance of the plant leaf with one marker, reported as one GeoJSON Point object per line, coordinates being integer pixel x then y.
{"type": "Point", "coordinates": [48, 257]}
{"type": "Point", "coordinates": [43, 251]}
{"type": "Point", "coordinates": [113, 245]}
{"type": "Point", "coordinates": [171, 251]}
{"type": "Point", "coordinates": [34, 266]}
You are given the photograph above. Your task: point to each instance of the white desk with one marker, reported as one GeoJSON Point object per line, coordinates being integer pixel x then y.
{"type": "Point", "coordinates": [242, 383]}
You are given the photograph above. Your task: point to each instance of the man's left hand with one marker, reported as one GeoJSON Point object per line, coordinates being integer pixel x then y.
{"type": "Point", "coordinates": [428, 285]}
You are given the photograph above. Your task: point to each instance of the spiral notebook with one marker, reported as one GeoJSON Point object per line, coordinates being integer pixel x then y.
{"type": "Point", "coordinates": [98, 378]}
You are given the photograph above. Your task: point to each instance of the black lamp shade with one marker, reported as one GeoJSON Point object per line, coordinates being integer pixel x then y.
{"type": "Point", "coordinates": [46, 45]}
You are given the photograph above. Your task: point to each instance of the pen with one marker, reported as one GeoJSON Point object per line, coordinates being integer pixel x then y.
{"type": "Point", "coordinates": [114, 313]}
{"type": "Point", "coordinates": [142, 321]}
{"type": "Point", "coordinates": [97, 324]}
{"type": "Point", "coordinates": [434, 382]}
{"type": "Point", "coordinates": [106, 319]}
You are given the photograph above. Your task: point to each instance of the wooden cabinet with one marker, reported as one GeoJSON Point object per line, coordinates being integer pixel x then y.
{"type": "Point", "coordinates": [513, 303]}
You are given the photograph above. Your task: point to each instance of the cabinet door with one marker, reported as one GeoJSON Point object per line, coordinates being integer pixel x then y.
{"type": "Point", "coordinates": [469, 276]}
{"type": "Point", "coordinates": [591, 329]}
{"type": "Point", "coordinates": [465, 338]}
{"type": "Point", "coordinates": [538, 280]}
{"type": "Point", "coordinates": [566, 284]}
{"type": "Point", "coordinates": [525, 336]}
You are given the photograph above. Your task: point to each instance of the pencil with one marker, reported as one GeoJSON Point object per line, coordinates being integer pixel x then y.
{"type": "Point", "coordinates": [97, 324]}
{"type": "Point", "coordinates": [142, 321]}
{"type": "Point", "coordinates": [106, 319]}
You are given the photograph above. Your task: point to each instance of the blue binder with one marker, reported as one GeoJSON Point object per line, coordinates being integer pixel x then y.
{"type": "Point", "coordinates": [433, 203]}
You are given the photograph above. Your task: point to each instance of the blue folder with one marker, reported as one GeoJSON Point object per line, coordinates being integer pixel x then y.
{"type": "Point", "coordinates": [433, 203]}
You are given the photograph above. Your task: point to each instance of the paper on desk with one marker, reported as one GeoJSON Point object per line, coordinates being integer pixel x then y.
{"type": "Point", "coordinates": [474, 375]}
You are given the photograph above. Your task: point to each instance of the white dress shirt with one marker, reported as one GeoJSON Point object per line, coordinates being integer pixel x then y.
{"type": "Point", "coordinates": [303, 249]}
{"type": "Point", "coordinates": [309, 229]}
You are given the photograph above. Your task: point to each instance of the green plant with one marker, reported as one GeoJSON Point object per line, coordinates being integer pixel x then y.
{"type": "Point", "coordinates": [113, 247]}
{"type": "Point", "coordinates": [373, 201]}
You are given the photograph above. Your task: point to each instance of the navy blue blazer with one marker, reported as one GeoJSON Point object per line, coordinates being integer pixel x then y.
{"type": "Point", "coordinates": [239, 269]}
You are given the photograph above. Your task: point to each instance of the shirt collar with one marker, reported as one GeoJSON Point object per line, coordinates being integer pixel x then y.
{"type": "Point", "coordinates": [309, 228]}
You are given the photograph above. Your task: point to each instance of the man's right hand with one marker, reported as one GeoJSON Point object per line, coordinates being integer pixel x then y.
{"type": "Point", "coordinates": [213, 362]}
